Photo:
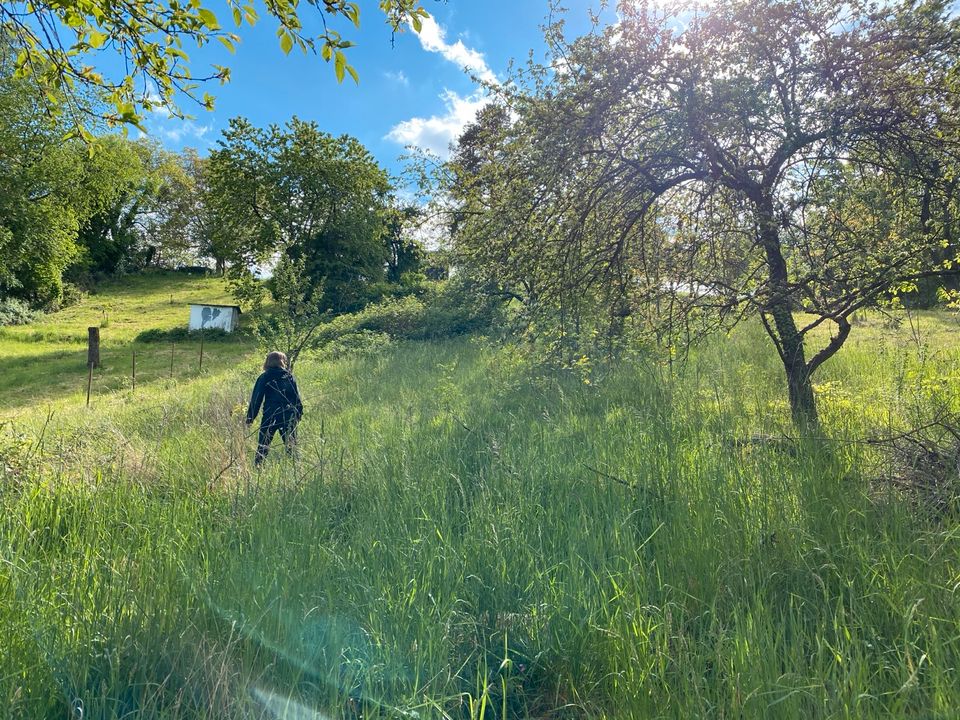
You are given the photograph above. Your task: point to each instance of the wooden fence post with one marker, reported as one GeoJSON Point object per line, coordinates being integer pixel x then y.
{"type": "Point", "coordinates": [93, 347]}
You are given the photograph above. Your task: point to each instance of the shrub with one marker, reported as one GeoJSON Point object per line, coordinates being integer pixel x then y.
{"type": "Point", "coordinates": [72, 295]}
{"type": "Point", "coordinates": [17, 312]}
{"type": "Point", "coordinates": [361, 343]}
{"type": "Point", "coordinates": [399, 318]}
{"type": "Point", "coordinates": [458, 309]}
{"type": "Point", "coordinates": [442, 310]}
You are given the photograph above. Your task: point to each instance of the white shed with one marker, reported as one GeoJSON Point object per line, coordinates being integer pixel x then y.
{"type": "Point", "coordinates": [221, 317]}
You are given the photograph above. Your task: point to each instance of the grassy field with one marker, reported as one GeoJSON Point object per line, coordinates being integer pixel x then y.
{"type": "Point", "coordinates": [46, 362]}
{"type": "Point", "coordinates": [465, 536]}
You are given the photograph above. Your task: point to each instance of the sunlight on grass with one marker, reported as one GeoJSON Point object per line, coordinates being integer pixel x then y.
{"type": "Point", "coordinates": [465, 536]}
{"type": "Point", "coordinates": [47, 360]}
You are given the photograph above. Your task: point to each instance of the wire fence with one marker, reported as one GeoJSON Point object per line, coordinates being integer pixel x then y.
{"type": "Point", "coordinates": [142, 366]}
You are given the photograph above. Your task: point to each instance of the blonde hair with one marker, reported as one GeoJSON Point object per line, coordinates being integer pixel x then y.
{"type": "Point", "coordinates": [275, 359]}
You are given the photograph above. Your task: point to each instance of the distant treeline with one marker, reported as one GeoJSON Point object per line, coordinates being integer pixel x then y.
{"type": "Point", "coordinates": [74, 212]}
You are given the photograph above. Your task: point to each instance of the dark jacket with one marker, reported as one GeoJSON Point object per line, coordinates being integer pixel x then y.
{"type": "Point", "coordinates": [277, 391]}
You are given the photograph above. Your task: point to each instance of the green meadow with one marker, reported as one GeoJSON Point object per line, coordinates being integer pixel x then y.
{"type": "Point", "coordinates": [46, 361]}
{"type": "Point", "coordinates": [465, 534]}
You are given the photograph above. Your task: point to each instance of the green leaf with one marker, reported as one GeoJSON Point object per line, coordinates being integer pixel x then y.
{"type": "Point", "coordinates": [286, 42]}
{"type": "Point", "coordinates": [73, 19]}
{"type": "Point", "coordinates": [339, 65]}
{"type": "Point", "coordinates": [127, 112]}
{"type": "Point", "coordinates": [353, 74]}
{"type": "Point", "coordinates": [208, 18]}
{"type": "Point", "coordinates": [96, 39]}
{"type": "Point", "coordinates": [352, 11]}
{"type": "Point", "coordinates": [237, 17]}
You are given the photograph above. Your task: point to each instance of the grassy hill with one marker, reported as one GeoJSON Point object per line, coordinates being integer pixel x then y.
{"type": "Point", "coordinates": [466, 535]}
{"type": "Point", "coordinates": [46, 362]}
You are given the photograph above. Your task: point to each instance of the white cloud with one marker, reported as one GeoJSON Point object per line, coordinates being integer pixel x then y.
{"type": "Point", "coordinates": [160, 122]}
{"type": "Point", "coordinates": [181, 130]}
{"type": "Point", "coordinates": [399, 77]}
{"type": "Point", "coordinates": [437, 132]}
{"type": "Point", "coordinates": [433, 39]}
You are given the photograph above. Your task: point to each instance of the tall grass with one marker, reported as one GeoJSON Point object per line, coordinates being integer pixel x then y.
{"type": "Point", "coordinates": [462, 536]}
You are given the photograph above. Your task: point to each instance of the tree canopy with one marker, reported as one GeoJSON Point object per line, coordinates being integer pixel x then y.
{"type": "Point", "coordinates": [77, 211]}
{"type": "Point", "coordinates": [49, 191]}
{"type": "Point", "coordinates": [299, 191]}
{"type": "Point", "coordinates": [694, 167]}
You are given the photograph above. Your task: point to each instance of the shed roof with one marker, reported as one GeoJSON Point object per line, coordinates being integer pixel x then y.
{"type": "Point", "coordinates": [234, 307]}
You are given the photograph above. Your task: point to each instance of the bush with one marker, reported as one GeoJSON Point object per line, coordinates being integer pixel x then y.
{"type": "Point", "coordinates": [400, 318]}
{"type": "Point", "coordinates": [17, 312]}
{"type": "Point", "coordinates": [458, 309]}
{"type": "Point", "coordinates": [72, 295]}
{"type": "Point", "coordinates": [361, 343]}
{"type": "Point", "coordinates": [443, 310]}
{"type": "Point", "coordinates": [409, 285]}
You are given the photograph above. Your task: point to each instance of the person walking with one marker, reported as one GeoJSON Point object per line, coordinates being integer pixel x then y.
{"type": "Point", "coordinates": [276, 390]}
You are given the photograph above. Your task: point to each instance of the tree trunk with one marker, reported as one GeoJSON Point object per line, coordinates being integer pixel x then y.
{"type": "Point", "coordinates": [803, 406]}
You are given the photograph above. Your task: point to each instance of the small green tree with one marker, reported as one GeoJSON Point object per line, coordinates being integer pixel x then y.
{"type": "Point", "coordinates": [291, 322]}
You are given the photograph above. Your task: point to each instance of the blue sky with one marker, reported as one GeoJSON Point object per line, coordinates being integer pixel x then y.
{"type": "Point", "coordinates": [414, 91]}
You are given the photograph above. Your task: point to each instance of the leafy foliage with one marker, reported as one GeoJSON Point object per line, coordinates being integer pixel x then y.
{"type": "Point", "coordinates": [690, 168]}
{"type": "Point", "coordinates": [60, 46]}
{"type": "Point", "coordinates": [291, 323]}
{"type": "Point", "coordinates": [300, 192]}
{"type": "Point", "coordinates": [16, 312]}
{"type": "Point", "coordinates": [404, 254]}
{"type": "Point", "coordinates": [360, 343]}
{"type": "Point", "coordinates": [151, 218]}
{"type": "Point", "coordinates": [49, 189]}
{"type": "Point", "coordinates": [446, 311]}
